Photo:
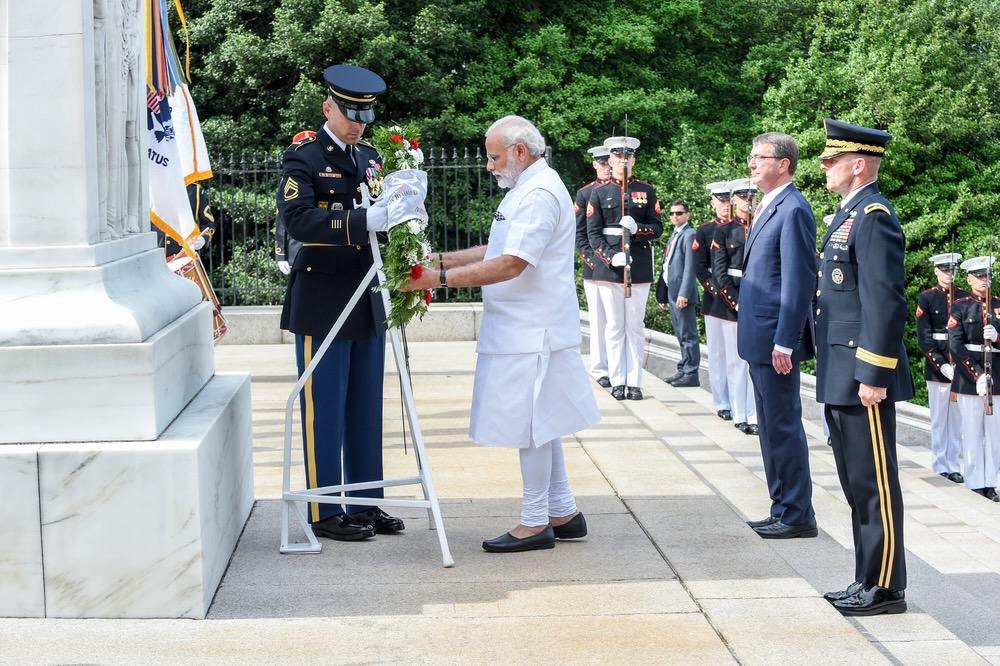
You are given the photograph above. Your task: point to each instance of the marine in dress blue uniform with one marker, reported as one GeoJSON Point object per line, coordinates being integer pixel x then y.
{"type": "Point", "coordinates": [319, 200]}
{"type": "Point", "coordinates": [933, 311]}
{"type": "Point", "coordinates": [595, 310]}
{"type": "Point", "coordinates": [861, 312]}
{"type": "Point", "coordinates": [972, 334]}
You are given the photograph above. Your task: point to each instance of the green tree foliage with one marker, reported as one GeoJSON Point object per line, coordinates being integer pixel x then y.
{"type": "Point", "coordinates": [696, 78]}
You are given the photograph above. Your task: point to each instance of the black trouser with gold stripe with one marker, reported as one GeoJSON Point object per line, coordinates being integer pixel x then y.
{"type": "Point", "coordinates": [864, 446]}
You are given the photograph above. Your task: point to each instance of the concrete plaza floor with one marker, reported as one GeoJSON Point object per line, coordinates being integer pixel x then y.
{"type": "Point", "coordinates": [669, 574]}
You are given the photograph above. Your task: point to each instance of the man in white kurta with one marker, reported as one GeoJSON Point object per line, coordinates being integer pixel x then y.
{"type": "Point", "coordinates": [531, 386]}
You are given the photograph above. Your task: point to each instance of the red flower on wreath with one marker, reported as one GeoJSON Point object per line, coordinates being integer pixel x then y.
{"type": "Point", "coordinates": [416, 272]}
{"type": "Point", "coordinates": [396, 138]}
{"type": "Point", "coordinates": [415, 144]}
{"type": "Point", "coordinates": [428, 296]}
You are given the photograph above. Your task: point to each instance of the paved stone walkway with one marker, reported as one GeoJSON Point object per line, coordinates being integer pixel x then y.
{"type": "Point", "coordinates": [669, 574]}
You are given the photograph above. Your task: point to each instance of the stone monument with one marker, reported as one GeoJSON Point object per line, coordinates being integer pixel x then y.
{"type": "Point", "coordinates": [125, 461]}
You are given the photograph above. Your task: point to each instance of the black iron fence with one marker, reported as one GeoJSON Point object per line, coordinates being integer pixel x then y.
{"type": "Point", "coordinates": [461, 198]}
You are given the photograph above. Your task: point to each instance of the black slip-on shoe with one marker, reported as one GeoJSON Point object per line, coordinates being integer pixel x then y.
{"type": "Point", "coordinates": [955, 477]}
{"type": "Point", "coordinates": [604, 382]}
{"type": "Point", "coordinates": [851, 590]}
{"type": "Point", "coordinates": [507, 543]}
{"type": "Point", "coordinates": [686, 381]}
{"type": "Point", "coordinates": [725, 414]}
{"type": "Point", "coordinates": [633, 393]}
{"type": "Point", "coordinates": [575, 528]}
{"type": "Point", "coordinates": [760, 523]}
{"type": "Point", "coordinates": [618, 393]}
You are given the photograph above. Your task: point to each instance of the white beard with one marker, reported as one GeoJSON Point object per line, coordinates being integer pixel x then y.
{"type": "Point", "coordinates": [507, 177]}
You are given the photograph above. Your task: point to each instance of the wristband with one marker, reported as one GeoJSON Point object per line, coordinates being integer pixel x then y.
{"type": "Point", "coordinates": [442, 279]}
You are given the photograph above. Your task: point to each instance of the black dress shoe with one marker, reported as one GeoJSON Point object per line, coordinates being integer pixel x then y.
{"type": "Point", "coordinates": [343, 528]}
{"type": "Point", "coordinates": [873, 601]}
{"type": "Point", "coordinates": [618, 393]}
{"type": "Point", "coordinates": [507, 543]}
{"type": "Point", "coordinates": [779, 530]}
{"type": "Point", "coordinates": [725, 414]}
{"type": "Point", "coordinates": [752, 429]}
{"type": "Point", "coordinates": [674, 377]}
{"type": "Point", "coordinates": [604, 382]}
{"type": "Point", "coordinates": [760, 523]}
{"type": "Point", "coordinates": [851, 590]}
{"type": "Point", "coordinates": [634, 393]}
{"type": "Point", "coordinates": [380, 521]}
{"type": "Point", "coordinates": [686, 381]}
{"type": "Point", "coordinates": [954, 477]}
{"type": "Point", "coordinates": [741, 426]}
{"type": "Point", "coordinates": [574, 529]}
{"type": "Point", "coordinates": [988, 493]}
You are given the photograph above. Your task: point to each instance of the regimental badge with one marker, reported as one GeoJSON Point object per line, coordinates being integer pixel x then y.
{"type": "Point", "coordinates": [590, 209]}
{"type": "Point", "coordinates": [837, 276]}
{"type": "Point", "coordinates": [291, 189]}
{"type": "Point", "coordinates": [920, 311]}
{"type": "Point", "coordinates": [952, 322]}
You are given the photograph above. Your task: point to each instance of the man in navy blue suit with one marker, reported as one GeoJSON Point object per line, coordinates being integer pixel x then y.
{"type": "Point", "coordinates": [774, 331]}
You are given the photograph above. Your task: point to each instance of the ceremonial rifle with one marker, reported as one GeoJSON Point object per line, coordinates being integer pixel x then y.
{"type": "Point", "coordinates": [987, 344]}
{"type": "Point", "coordinates": [626, 236]}
{"type": "Point", "coordinates": [951, 301]}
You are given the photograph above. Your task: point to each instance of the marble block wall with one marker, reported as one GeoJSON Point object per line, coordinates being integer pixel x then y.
{"type": "Point", "coordinates": [130, 529]}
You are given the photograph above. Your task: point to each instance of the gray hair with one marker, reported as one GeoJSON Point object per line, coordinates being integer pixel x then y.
{"type": "Point", "coordinates": [515, 130]}
{"type": "Point", "coordinates": [784, 146]}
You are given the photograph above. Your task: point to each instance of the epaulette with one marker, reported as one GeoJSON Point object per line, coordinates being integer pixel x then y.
{"type": "Point", "coordinates": [302, 138]}
{"type": "Point", "coordinates": [362, 142]}
{"type": "Point", "coordinates": [871, 208]}
{"type": "Point", "coordinates": [640, 180]}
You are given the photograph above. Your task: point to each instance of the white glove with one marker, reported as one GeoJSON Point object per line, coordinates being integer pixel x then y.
{"type": "Point", "coordinates": [628, 222]}
{"type": "Point", "coordinates": [948, 370]}
{"type": "Point", "coordinates": [199, 243]}
{"type": "Point", "coordinates": [990, 333]}
{"type": "Point", "coordinates": [618, 260]}
{"type": "Point", "coordinates": [981, 384]}
{"type": "Point", "coordinates": [378, 216]}
{"type": "Point", "coordinates": [284, 267]}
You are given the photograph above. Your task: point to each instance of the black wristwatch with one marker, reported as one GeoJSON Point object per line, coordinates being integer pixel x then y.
{"type": "Point", "coordinates": [442, 278]}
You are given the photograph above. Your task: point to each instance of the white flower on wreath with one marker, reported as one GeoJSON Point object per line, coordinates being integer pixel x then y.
{"type": "Point", "coordinates": [415, 226]}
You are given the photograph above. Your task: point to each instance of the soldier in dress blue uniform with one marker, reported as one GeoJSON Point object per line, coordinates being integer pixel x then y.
{"type": "Point", "coordinates": [727, 270]}
{"type": "Point", "coordinates": [933, 311]}
{"type": "Point", "coordinates": [972, 333]}
{"type": "Point", "coordinates": [320, 197]}
{"type": "Point", "coordinates": [595, 311]}
{"type": "Point", "coordinates": [713, 309]}
{"type": "Point", "coordinates": [861, 364]}
{"type": "Point", "coordinates": [625, 333]}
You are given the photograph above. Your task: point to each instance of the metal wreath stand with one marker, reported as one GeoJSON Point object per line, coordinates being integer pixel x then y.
{"type": "Point", "coordinates": [292, 500]}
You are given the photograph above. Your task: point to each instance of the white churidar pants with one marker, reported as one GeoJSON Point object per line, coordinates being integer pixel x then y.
{"type": "Point", "coordinates": [717, 364]}
{"type": "Point", "coordinates": [946, 429]}
{"type": "Point", "coordinates": [980, 442]}
{"type": "Point", "coordinates": [625, 337]}
{"type": "Point", "coordinates": [546, 485]}
{"type": "Point", "coordinates": [741, 396]}
{"type": "Point", "coordinates": [595, 315]}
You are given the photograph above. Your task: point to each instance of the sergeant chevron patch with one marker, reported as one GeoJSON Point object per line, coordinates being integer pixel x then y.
{"type": "Point", "coordinates": [291, 189]}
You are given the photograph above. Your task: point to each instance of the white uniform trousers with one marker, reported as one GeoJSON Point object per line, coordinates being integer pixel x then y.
{"type": "Point", "coordinates": [546, 485]}
{"type": "Point", "coordinates": [946, 429]}
{"type": "Point", "coordinates": [625, 335]}
{"type": "Point", "coordinates": [980, 442]}
{"type": "Point", "coordinates": [595, 315]}
{"type": "Point", "coordinates": [717, 364]}
{"type": "Point", "coordinates": [741, 397]}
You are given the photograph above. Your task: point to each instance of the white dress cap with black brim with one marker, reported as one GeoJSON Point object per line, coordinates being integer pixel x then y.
{"type": "Point", "coordinates": [977, 266]}
{"type": "Point", "coordinates": [355, 90]}
{"type": "Point", "coordinates": [598, 152]}
{"type": "Point", "coordinates": [719, 189]}
{"type": "Point", "coordinates": [742, 186]}
{"type": "Point", "coordinates": [621, 144]}
{"type": "Point", "coordinates": [948, 260]}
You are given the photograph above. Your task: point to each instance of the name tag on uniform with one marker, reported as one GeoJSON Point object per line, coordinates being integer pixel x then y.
{"type": "Point", "coordinates": [331, 174]}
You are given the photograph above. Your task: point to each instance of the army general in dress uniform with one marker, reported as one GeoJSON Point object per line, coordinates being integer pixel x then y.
{"type": "Point", "coordinates": [320, 203]}
{"type": "Point", "coordinates": [861, 364]}
{"type": "Point", "coordinates": [625, 335]}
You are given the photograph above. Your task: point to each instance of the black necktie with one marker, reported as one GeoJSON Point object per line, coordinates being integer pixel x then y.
{"type": "Point", "coordinates": [349, 149]}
